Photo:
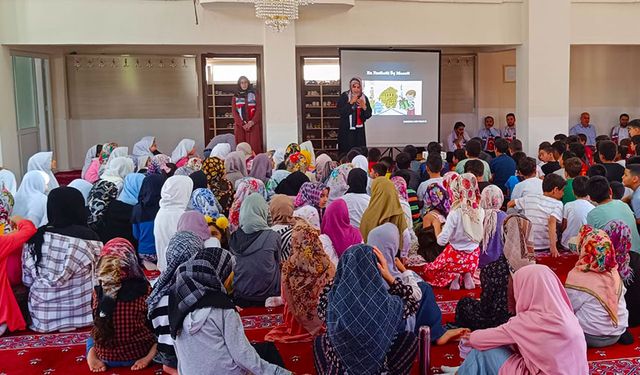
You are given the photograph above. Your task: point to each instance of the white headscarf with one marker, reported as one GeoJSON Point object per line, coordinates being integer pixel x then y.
{"type": "Point", "coordinates": [141, 148]}
{"type": "Point", "coordinates": [91, 153]}
{"type": "Point", "coordinates": [174, 198]}
{"type": "Point", "coordinates": [8, 181]}
{"type": "Point", "coordinates": [310, 214]}
{"type": "Point", "coordinates": [31, 200]}
{"type": "Point", "coordinates": [118, 152]}
{"type": "Point", "coordinates": [361, 162]}
{"type": "Point", "coordinates": [42, 162]}
{"type": "Point", "coordinates": [142, 162]}
{"type": "Point", "coordinates": [117, 169]}
{"type": "Point", "coordinates": [182, 149]}
{"type": "Point", "coordinates": [278, 157]}
{"type": "Point", "coordinates": [220, 151]}
{"type": "Point", "coordinates": [83, 186]}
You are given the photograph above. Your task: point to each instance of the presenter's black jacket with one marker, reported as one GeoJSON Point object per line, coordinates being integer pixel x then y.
{"type": "Point", "coordinates": [349, 138]}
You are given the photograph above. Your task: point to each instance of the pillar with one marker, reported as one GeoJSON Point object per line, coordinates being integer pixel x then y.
{"type": "Point", "coordinates": [280, 90]}
{"type": "Point", "coordinates": [542, 81]}
{"type": "Point", "coordinates": [9, 156]}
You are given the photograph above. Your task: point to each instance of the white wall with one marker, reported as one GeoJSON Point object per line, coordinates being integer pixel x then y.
{"type": "Point", "coordinates": [604, 81]}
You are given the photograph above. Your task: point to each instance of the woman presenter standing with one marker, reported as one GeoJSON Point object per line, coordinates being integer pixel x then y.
{"type": "Point", "coordinates": [354, 109]}
{"type": "Point", "coordinates": [247, 114]}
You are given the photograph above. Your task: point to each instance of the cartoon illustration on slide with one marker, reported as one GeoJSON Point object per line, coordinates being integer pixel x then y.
{"type": "Point", "coordinates": [395, 98]}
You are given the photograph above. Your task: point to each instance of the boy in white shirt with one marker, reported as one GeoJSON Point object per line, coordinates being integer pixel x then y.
{"type": "Point", "coordinates": [575, 212]}
{"type": "Point", "coordinates": [531, 185]}
{"type": "Point", "coordinates": [545, 212]}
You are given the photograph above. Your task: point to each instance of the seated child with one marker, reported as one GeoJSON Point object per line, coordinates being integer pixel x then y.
{"type": "Point", "coordinates": [544, 211]}
{"type": "Point", "coordinates": [575, 213]}
{"type": "Point", "coordinates": [121, 335]}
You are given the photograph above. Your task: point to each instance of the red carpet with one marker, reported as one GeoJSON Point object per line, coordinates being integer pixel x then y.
{"type": "Point", "coordinates": [54, 354]}
{"type": "Point", "coordinates": [64, 178]}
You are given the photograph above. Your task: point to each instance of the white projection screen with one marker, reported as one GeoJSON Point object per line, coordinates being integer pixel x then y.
{"type": "Point", "coordinates": [403, 88]}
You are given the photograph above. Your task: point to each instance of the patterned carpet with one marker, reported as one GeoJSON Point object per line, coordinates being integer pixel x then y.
{"type": "Point", "coordinates": [63, 353]}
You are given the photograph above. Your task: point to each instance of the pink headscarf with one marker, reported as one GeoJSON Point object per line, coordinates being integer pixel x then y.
{"type": "Point", "coordinates": [546, 333]}
{"type": "Point", "coordinates": [336, 225]}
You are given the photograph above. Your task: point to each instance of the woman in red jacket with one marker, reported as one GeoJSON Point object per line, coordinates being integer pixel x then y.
{"type": "Point", "coordinates": [10, 315]}
{"type": "Point", "coordinates": [247, 113]}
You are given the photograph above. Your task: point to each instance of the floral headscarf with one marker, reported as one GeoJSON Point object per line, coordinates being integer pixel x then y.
{"type": "Point", "coordinates": [596, 271]}
{"type": "Point", "coordinates": [292, 148]}
{"type": "Point", "coordinates": [296, 162]}
{"type": "Point", "coordinates": [203, 201]}
{"type": "Point", "coordinates": [465, 195]}
{"type": "Point", "coordinates": [158, 164]}
{"type": "Point", "coordinates": [436, 198]}
{"type": "Point", "coordinates": [305, 274]}
{"type": "Point", "coordinates": [620, 236]}
{"type": "Point", "coordinates": [337, 181]}
{"type": "Point", "coordinates": [6, 207]}
{"type": "Point", "coordinates": [246, 186]}
{"type": "Point", "coordinates": [107, 148]}
{"type": "Point", "coordinates": [309, 194]}
{"type": "Point", "coordinates": [491, 200]}
{"type": "Point", "coordinates": [222, 188]}
{"type": "Point", "coordinates": [401, 187]}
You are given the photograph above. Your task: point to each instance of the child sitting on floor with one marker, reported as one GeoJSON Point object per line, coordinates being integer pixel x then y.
{"type": "Point", "coordinates": [121, 335]}
{"type": "Point", "coordinates": [544, 211]}
{"type": "Point", "coordinates": [575, 212]}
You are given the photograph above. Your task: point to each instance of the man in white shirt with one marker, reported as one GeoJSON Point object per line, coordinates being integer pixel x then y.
{"type": "Point", "coordinates": [545, 212]}
{"type": "Point", "coordinates": [575, 212]}
{"type": "Point", "coordinates": [531, 185]}
{"type": "Point", "coordinates": [458, 137]}
{"type": "Point", "coordinates": [510, 131]}
{"type": "Point", "coordinates": [621, 131]}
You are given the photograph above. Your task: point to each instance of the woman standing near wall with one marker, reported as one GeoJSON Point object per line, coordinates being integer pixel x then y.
{"type": "Point", "coordinates": [247, 113]}
{"type": "Point", "coordinates": [354, 109]}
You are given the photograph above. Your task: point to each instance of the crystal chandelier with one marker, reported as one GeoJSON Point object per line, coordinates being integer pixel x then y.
{"type": "Point", "coordinates": [278, 13]}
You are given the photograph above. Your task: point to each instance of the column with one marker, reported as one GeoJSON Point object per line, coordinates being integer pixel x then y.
{"type": "Point", "coordinates": [9, 156]}
{"type": "Point", "coordinates": [542, 82]}
{"type": "Point", "coordinates": [280, 90]}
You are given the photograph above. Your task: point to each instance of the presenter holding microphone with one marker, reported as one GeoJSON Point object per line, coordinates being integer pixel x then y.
{"type": "Point", "coordinates": [354, 109]}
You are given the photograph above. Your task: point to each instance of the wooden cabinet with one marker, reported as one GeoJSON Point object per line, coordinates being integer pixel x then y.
{"type": "Point", "coordinates": [320, 118]}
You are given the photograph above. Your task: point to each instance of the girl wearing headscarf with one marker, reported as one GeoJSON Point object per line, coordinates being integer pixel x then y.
{"type": "Point", "coordinates": [492, 308]}
{"type": "Point", "coordinates": [338, 181]}
{"type": "Point", "coordinates": [183, 245]}
{"type": "Point", "coordinates": [246, 187]}
{"type": "Point", "coordinates": [92, 153]}
{"type": "Point", "coordinates": [31, 200]}
{"type": "Point", "coordinates": [291, 185]}
{"type": "Point", "coordinates": [596, 290]}
{"type": "Point", "coordinates": [221, 187]}
{"type": "Point", "coordinates": [324, 166]}
{"type": "Point", "coordinates": [356, 197]}
{"type": "Point", "coordinates": [261, 168]}
{"type": "Point", "coordinates": [219, 139]}
{"type": "Point", "coordinates": [245, 148]}
{"type": "Point", "coordinates": [281, 210]}
{"type": "Point", "coordinates": [43, 161]}
{"type": "Point", "coordinates": [401, 187]}
{"type": "Point", "coordinates": [8, 181]}
{"type": "Point", "coordinates": [107, 189]}
{"type": "Point", "coordinates": [185, 149]}
{"type": "Point", "coordinates": [304, 276]}
{"type": "Point", "coordinates": [118, 152]}
{"type": "Point", "coordinates": [220, 151]}
{"type": "Point", "coordinates": [628, 266]}
{"type": "Point", "coordinates": [461, 235]}
{"type": "Point", "coordinates": [93, 172]}
{"type": "Point", "coordinates": [193, 165]}
{"type": "Point", "coordinates": [491, 200]}
{"type": "Point", "coordinates": [143, 215]}
{"type": "Point", "coordinates": [354, 110]}
{"type": "Point", "coordinates": [199, 180]}
{"type": "Point", "coordinates": [83, 186]}
{"type": "Point", "coordinates": [203, 201]}
{"type": "Point", "coordinates": [195, 222]}
{"type": "Point", "coordinates": [436, 206]}
{"type": "Point", "coordinates": [57, 265]}
{"type": "Point", "coordinates": [310, 215]}
{"type": "Point", "coordinates": [247, 115]}
{"type": "Point", "coordinates": [384, 207]}
{"type": "Point", "coordinates": [202, 315]}
{"type": "Point", "coordinates": [116, 221]}
{"type": "Point", "coordinates": [365, 309]}
{"type": "Point", "coordinates": [540, 302]}
{"type": "Point", "coordinates": [10, 274]}
{"type": "Point", "coordinates": [314, 194]}
{"type": "Point", "coordinates": [6, 209]}
{"type": "Point", "coordinates": [159, 165]}
{"type": "Point", "coordinates": [385, 238]}
{"type": "Point", "coordinates": [145, 147]}
{"type": "Point", "coordinates": [257, 250]}
{"type": "Point", "coordinates": [296, 162]}
{"type": "Point", "coordinates": [175, 196]}
{"type": "Point", "coordinates": [121, 334]}
{"type": "Point", "coordinates": [277, 177]}
{"type": "Point", "coordinates": [292, 148]}
{"type": "Point", "coordinates": [337, 232]}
